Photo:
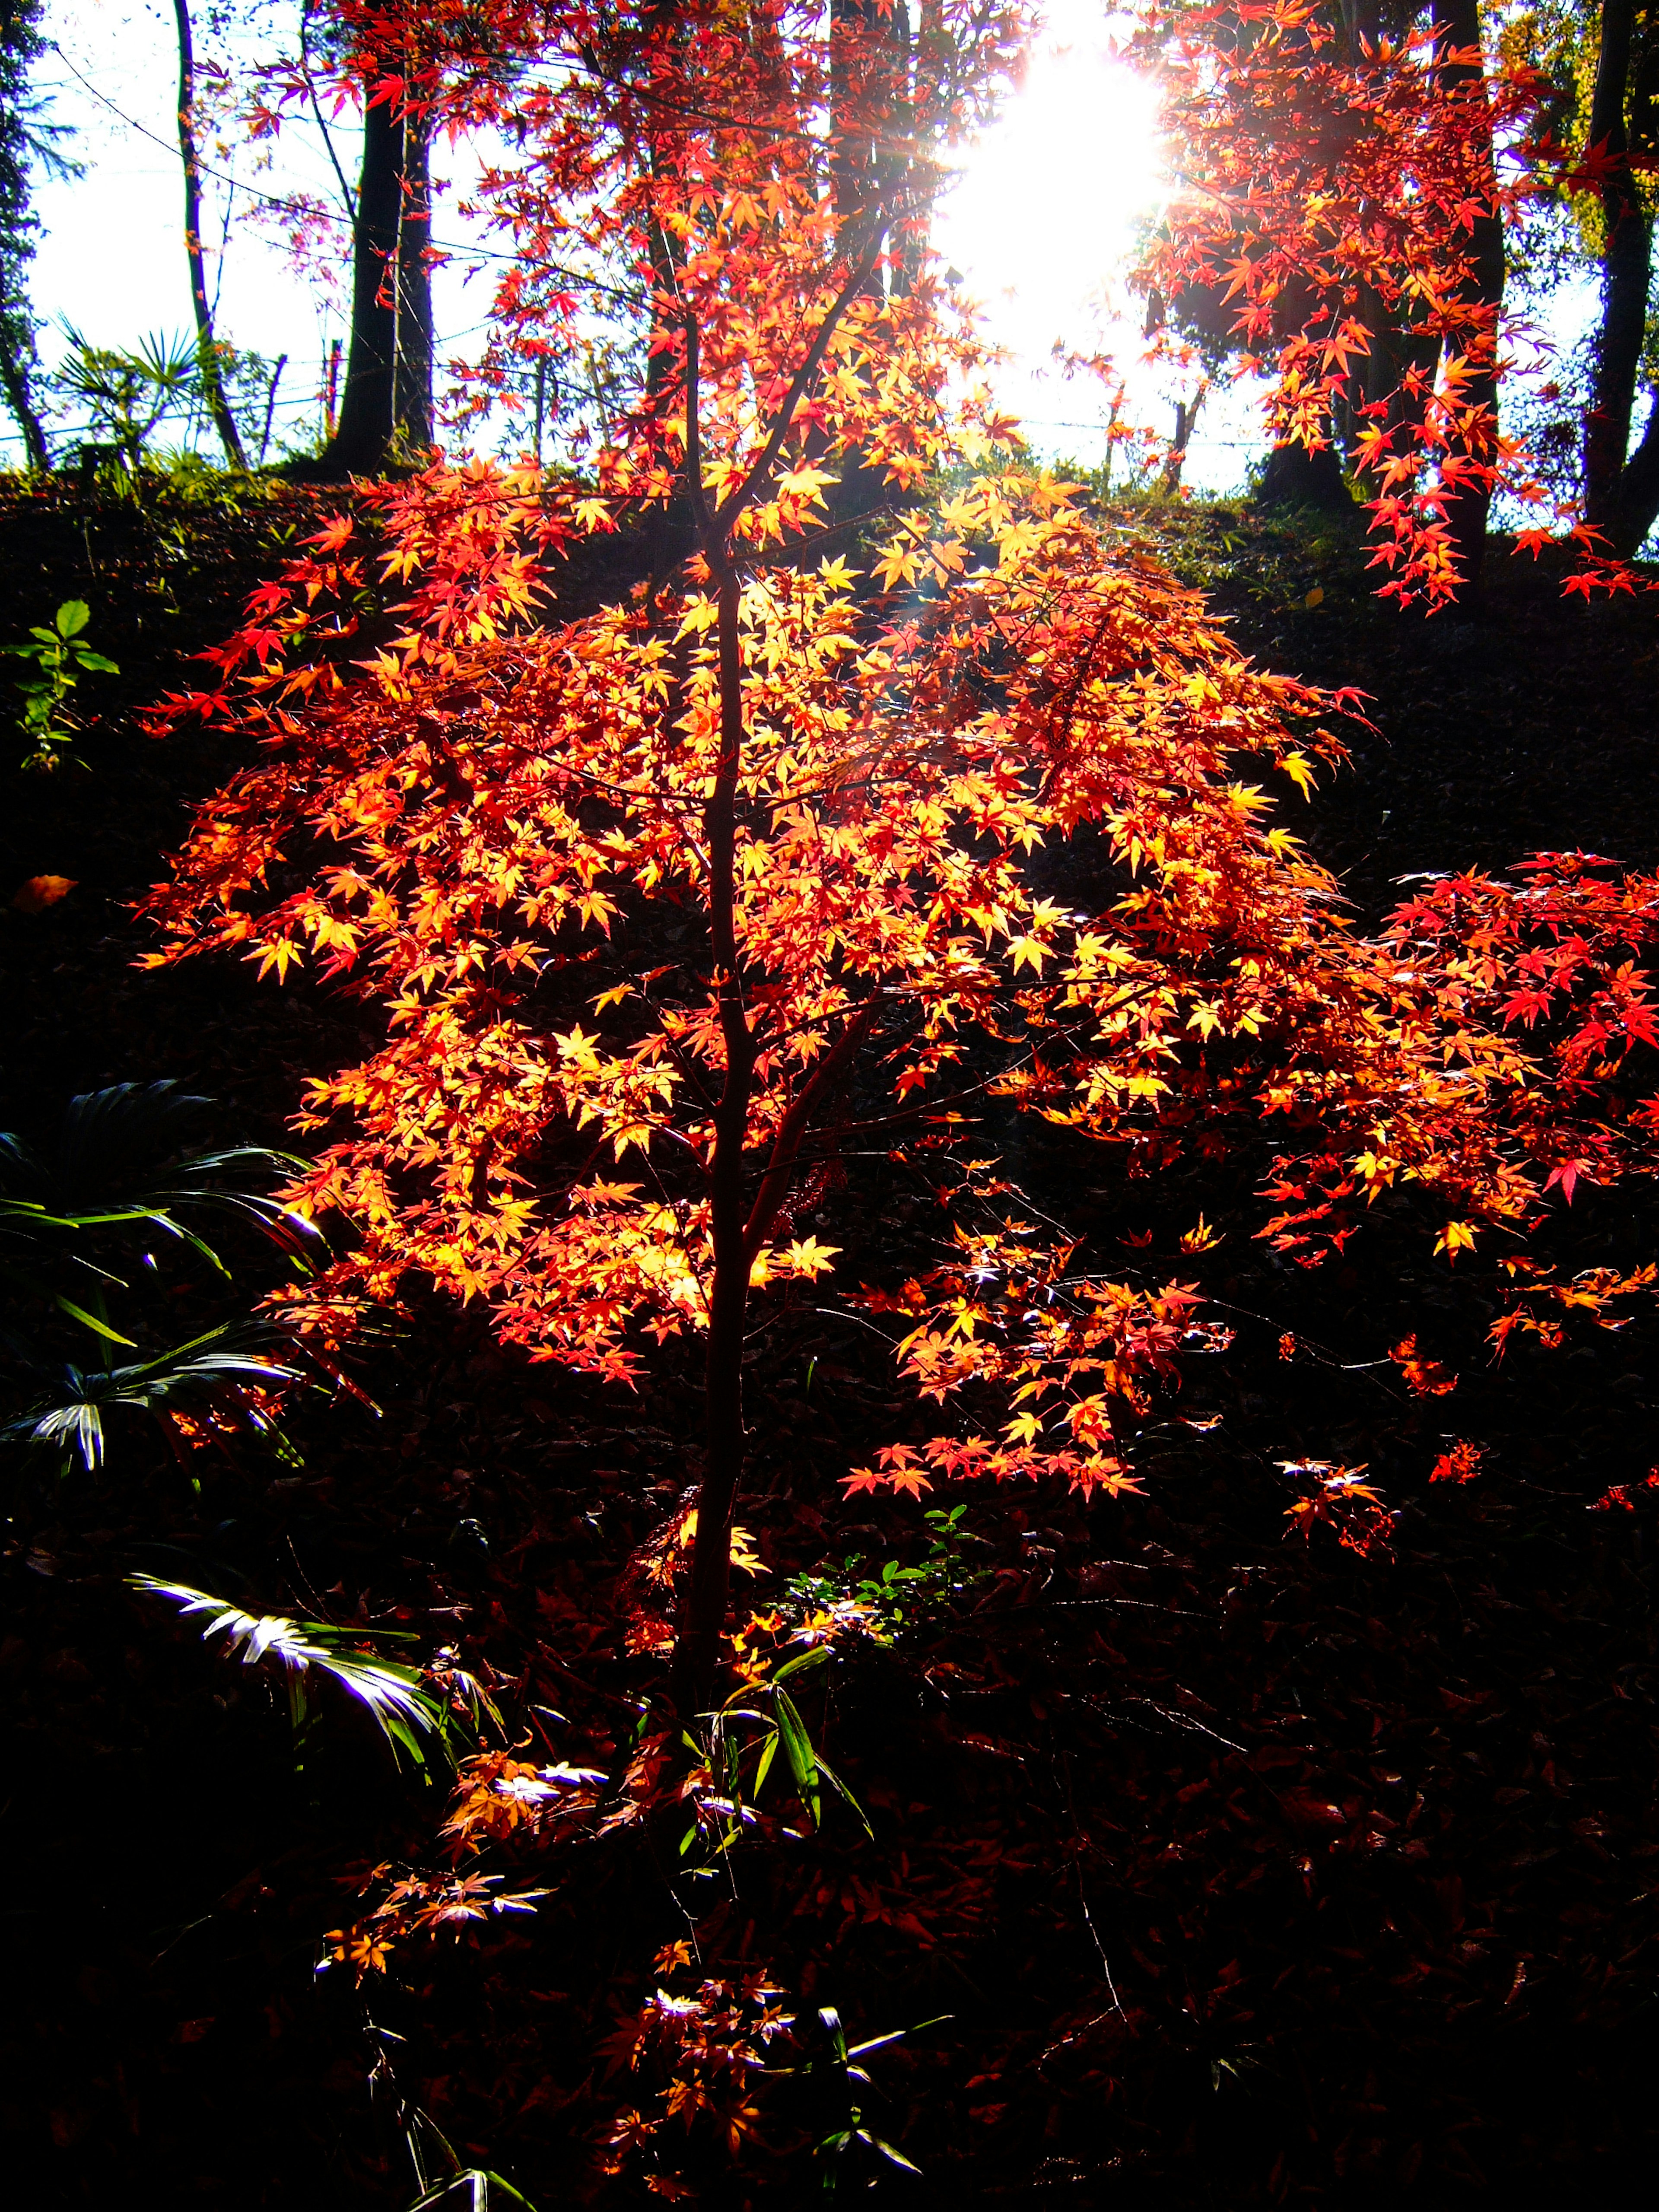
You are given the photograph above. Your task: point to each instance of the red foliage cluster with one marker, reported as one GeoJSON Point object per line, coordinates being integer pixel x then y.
{"type": "Point", "coordinates": [1345, 177]}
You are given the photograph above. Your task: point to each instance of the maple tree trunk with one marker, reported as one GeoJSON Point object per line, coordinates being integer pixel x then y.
{"type": "Point", "coordinates": [697, 1651]}
{"type": "Point", "coordinates": [213, 386]}
{"type": "Point", "coordinates": [1619, 485]}
{"type": "Point", "coordinates": [364, 430]}
{"type": "Point", "coordinates": [412, 413]}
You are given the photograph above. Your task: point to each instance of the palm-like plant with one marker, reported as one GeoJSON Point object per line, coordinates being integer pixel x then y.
{"type": "Point", "coordinates": [77, 1224]}
{"type": "Point", "coordinates": [130, 393]}
{"type": "Point", "coordinates": [391, 1693]}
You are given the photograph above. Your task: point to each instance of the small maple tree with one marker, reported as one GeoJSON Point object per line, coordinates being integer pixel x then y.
{"type": "Point", "coordinates": [639, 893]}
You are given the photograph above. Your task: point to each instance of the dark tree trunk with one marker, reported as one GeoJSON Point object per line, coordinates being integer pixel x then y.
{"type": "Point", "coordinates": [1620, 495]}
{"type": "Point", "coordinates": [850, 24]}
{"type": "Point", "coordinates": [1635, 506]}
{"type": "Point", "coordinates": [213, 385]}
{"type": "Point", "coordinates": [1466, 514]}
{"type": "Point", "coordinates": [1397, 350]}
{"type": "Point", "coordinates": [20, 44]}
{"type": "Point", "coordinates": [364, 430]}
{"type": "Point", "coordinates": [870, 70]}
{"type": "Point", "coordinates": [697, 1652]}
{"type": "Point", "coordinates": [1296, 477]}
{"type": "Point", "coordinates": [413, 411]}
{"type": "Point", "coordinates": [1293, 476]}
{"type": "Point", "coordinates": [737, 1233]}
{"type": "Point", "coordinates": [14, 378]}
{"type": "Point", "coordinates": [1187, 414]}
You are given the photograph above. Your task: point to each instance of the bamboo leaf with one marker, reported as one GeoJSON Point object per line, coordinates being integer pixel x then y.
{"type": "Point", "coordinates": [797, 1750]}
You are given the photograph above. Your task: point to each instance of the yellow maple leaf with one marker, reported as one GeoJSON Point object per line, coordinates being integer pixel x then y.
{"type": "Point", "coordinates": [807, 1257]}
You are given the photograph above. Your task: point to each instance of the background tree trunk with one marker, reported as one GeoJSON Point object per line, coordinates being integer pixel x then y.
{"type": "Point", "coordinates": [1296, 477]}
{"type": "Point", "coordinates": [1621, 489]}
{"type": "Point", "coordinates": [19, 43]}
{"type": "Point", "coordinates": [1466, 514]}
{"type": "Point", "coordinates": [1634, 508]}
{"type": "Point", "coordinates": [364, 430]}
{"type": "Point", "coordinates": [1627, 253]}
{"type": "Point", "coordinates": [213, 383]}
{"type": "Point", "coordinates": [13, 375]}
{"type": "Point", "coordinates": [412, 413]}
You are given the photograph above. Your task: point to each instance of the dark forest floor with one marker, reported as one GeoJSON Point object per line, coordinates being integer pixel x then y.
{"type": "Point", "coordinates": [1248, 1872]}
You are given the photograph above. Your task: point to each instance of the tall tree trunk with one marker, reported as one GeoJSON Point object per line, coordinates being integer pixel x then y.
{"type": "Point", "coordinates": [737, 1236]}
{"type": "Point", "coordinates": [1396, 349]}
{"type": "Point", "coordinates": [1626, 255]}
{"type": "Point", "coordinates": [1621, 489]}
{"type": "Point", "coordinates": [413, 410]}
{"type": "Point", "coordinates": [14, 378]}
{"type": "Point", "coordinates": [213, 386]}
{"type": "Point", "coordinates": [1635, 507]}
{"type": "Point", "coordinates": [1466, 514]}
{"type": "Point", "coordinates": [1296, 477]}
{"type": "Point", "coordinates": [698, 1649]}
{"type": "Point", "coordinates": [20, 44]}
{"type": "Point", "coordinates": [364, 430]}
{"type": "Point", "coordinates": [870, 72]}
{"type": "Point", "coordinates": [850, 150]}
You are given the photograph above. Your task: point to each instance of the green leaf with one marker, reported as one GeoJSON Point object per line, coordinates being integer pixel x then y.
{"type": "Point", "coordinates": [472, 2189]}
{"type": "Point", "coordinates": [768, 1753]}
{"type": "Point", "coordinates": [392, 1695]}
{"type": "Point", "coordinates": [797, 1750]}
{"type": "Point", "coordinates": [877, 2143]}
{"type": "Point", "coordinates": [898, 2034]}
{"type": "Point", "coordinates": [843, 1791]}
{"type": "Point", "coordinates": [802, 1659]}
{"type": "Point", "coordinates": [96, 660]}
{"type": "Point", "coordinates": [72, 617]}
{"type": "Point", "coordinates": [91, 1320]}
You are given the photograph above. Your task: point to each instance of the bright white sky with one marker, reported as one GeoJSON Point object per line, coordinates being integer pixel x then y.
{"type": "Point", "coordinates": [1046, 217]}
{"type": "Point", "coordinates": [1047, 208]}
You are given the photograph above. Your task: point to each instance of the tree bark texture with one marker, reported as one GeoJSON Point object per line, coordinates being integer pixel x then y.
{"type": "Point", "coordinates": [736, 1238]}
{"type": "Point", "coordinates": [1621, 489]}
{"type": "Point", "coordinates": [213, 384]}
{"type": "Point", "coordinates": [413, 409]}
{"type": "Point", "coordinates": [364, 430]}
{"type": "Point", "coordinates": [13, 376]}
{"type": "Point", "coordinates": [1296, 477]}
{"type": "Point", "coordinates": [20, 45]}
{"type": "Point", "coordinates": [709, 1591]}
{"type": "Point", "coordinates": [1468, 510]}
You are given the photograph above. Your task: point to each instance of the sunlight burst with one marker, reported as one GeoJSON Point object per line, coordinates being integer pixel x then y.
{"type": "Point", "coordinates": [1045, 216]}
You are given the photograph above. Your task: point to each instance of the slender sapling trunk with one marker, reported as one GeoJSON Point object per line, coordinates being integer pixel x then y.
{"type": "Point", "coordinates": [213, 385]}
